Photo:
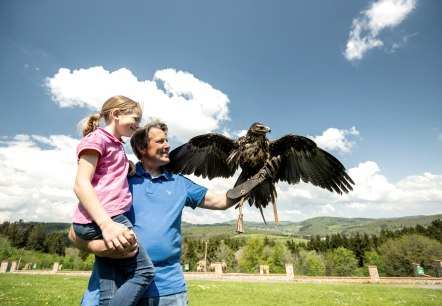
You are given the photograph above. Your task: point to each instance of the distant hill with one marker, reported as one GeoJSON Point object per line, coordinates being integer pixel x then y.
{"type": "Point", "coordinates": [315, 226]}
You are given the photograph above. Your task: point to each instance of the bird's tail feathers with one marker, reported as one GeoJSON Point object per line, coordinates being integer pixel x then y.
{"type": "Point", "coordinates": [263, 195]}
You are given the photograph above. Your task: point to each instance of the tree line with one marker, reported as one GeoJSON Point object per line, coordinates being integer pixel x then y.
{"type": "Point", "coordinates": [34, 236]}
{"type": "Point", "coordinates": [393, 252]}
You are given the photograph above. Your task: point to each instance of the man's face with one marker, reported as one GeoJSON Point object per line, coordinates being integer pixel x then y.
{"type": "Point", "coordinates": [158, 147]}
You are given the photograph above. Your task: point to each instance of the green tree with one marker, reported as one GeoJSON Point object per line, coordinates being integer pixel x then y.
{"type": "Point", "coordinates": [88, 263]}
{"type": "Point", "coordinates": [36, 238]}
{"type": "Point", "coordinates": [190, 253]}
{"type": "Point", "coordinates": [253, 255]}
{"type": "Point", "coordinates": [359, 245]}
{"type": "Point", "coordinates": [19, 232]}
{"type": "Point", "coordinates": [434, 230]}
{"type": "Point", "coordinates": [54, 243]}
{"type": "Point", "coordinates": [314, 264]}
{"type": "Point", "coordinates": [399, 254]}
{"type": "Point", "coordinates": [344, 262]}
{"type": "Point", "coordinates": [293, 247]}
{"type": "Point", "coordinates": [6, 251]}
{"type": "Point", "coordinates": [5, 229]}
{"type": "Point", "coordinates": [277, 259]}
{"type": "Point", "coordinates": [315, 243]}
{"type": "Point", "coordinates": [336, 241]}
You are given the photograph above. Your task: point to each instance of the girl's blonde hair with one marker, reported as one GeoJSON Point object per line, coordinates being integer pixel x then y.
{"type": "Point", "coordinates": [122, 103]}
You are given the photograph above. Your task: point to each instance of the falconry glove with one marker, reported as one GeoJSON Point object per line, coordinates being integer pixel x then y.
{"type": "Point", "coordinates": [267, 172]}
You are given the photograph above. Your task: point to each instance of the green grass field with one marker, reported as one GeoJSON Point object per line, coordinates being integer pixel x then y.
{"type": "Point", "coordinates": [26, 289]}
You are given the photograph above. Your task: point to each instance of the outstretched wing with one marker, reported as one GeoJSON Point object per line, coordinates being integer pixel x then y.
{"type": "Point", "coordinates": [303, 160]}
{"type": "Point", "coordinates": [204, 155]}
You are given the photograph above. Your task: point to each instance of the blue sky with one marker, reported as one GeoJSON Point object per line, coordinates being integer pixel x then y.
{"type": "Point", "coordinates": [361, 78]}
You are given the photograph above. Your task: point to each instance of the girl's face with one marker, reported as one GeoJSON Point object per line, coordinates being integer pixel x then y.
{"type": "Point", "coordinates": [129, 122]}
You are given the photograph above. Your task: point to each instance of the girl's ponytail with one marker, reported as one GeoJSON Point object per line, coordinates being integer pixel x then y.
{"type": "Point", "coordinates": [90, 124]}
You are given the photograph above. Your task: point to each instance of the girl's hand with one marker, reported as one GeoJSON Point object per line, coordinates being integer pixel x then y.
{"type": "Point", "coordinates": [117, 236]}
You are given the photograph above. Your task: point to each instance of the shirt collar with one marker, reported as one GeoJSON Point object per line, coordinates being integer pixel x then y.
{"type": "Point", "coordinates": [140, 172]}
{"type": "Point", "coordinates": [110, 136]}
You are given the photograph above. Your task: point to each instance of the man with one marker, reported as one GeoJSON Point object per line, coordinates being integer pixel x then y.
{"type": "Point", "coordinates": [158, 198]}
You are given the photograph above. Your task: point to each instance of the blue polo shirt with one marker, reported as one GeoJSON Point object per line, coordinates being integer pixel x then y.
{"type": "Point", "coordinates": [156, 214]}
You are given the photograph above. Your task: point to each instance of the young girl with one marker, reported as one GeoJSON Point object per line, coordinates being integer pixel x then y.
{"type": "Point", "coordinates": [102, 189]}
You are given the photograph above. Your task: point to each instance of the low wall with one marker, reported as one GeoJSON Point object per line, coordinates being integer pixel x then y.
{"type": "Point", "coordinates": [272, 277]}
{"type": "Point", "coordinates": [309, 279]}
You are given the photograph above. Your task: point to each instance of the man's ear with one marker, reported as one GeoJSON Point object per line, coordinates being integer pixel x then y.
{"type": "Point", "coordinates": [141, 149]}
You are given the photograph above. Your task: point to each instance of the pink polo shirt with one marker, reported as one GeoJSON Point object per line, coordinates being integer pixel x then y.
{"type": "Point", "coordinates": [110, 178]}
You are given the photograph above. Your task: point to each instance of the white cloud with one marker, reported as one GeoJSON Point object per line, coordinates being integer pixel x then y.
{"type": "Point", "coordinates": [37, 178]}
{"type": "Point", "coordinates": [327, 209]}
{"type": "Point", "coordinates": [176, 97]}
{"type": "Point", "coordinates": [365, 31]}
{"type": "Point", "coordinates": [38, 175]}
{"type": "Point", "coordinates": [335, 139]}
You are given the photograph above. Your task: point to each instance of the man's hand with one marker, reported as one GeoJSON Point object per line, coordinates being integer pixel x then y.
{"type": "Point", "coordinates": [132, 169]}
{"type": "Point", "coordinates": [116, 235]}
{"type": "Point", "coordinates": [96, 246]}
{"type": "Point", "coordinates": [267, 172]}
{"type": "Point", "coordinates": [99, 248]}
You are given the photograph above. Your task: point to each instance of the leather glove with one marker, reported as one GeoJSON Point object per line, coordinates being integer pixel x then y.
{"type": "Point", "coordinates": [267, 172]}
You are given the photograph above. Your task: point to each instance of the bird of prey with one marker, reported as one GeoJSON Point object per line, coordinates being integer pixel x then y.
{"type": "Point", "coordinates": [214, 155]}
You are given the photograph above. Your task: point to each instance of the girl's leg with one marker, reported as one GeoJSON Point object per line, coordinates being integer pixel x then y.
{"type": "Point", "coordinates": [138, 273]}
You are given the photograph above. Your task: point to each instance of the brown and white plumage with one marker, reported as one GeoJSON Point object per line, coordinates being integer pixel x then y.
{"type": "Point", "coordinates": [214, 155]}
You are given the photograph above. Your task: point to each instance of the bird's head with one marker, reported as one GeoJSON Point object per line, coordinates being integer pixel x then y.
{"type": "Point", "coordinates": [258, 129]}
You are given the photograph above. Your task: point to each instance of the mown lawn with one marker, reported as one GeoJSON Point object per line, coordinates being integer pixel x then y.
{"type": "Point", "coordinates": [25, 289]}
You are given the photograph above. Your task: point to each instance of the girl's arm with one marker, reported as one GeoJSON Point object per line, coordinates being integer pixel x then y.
{"type": "Point", "coordinates": [113, 232]}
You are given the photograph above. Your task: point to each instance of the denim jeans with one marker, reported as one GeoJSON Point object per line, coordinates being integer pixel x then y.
{"type": "Point", "coordinates": [179, 299]}
{"type": "Point", "coordinates": [122, 281]}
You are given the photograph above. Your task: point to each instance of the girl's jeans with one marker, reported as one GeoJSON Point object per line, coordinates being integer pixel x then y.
{"type": "Point", "coordinates": [136, 272]}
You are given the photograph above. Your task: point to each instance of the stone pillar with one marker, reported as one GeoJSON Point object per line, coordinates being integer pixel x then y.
{"type": "Point", "coordinates": [374, 274]}
{"type": "Point", "coordinates": [289, 271]}
{"type": "Point", "coordinates": [4, 267]}
{"type": "Point", "coordinates": [55, 267]}
{"type": "Point", "coordinates": [438, 267]}
{"type": "Point", "coordinates": [218, 269]}
{"type": "Point", "coordinates": [13, 266]}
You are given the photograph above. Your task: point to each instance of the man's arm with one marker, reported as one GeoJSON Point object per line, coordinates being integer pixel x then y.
{"type": "Point", "coordinates": [99, 248]}
{"type": "Point", "coordinates": [216, 201]}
